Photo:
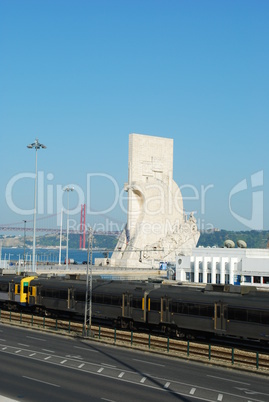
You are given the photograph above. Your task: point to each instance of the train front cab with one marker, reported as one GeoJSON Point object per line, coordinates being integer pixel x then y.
{"type": "Point", "coordinates": [22, 290]}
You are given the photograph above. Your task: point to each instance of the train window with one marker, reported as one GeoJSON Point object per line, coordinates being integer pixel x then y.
{"type": "Point", "coordinates": [116, 300]}
{"type": "Point", "coordinates": [47, 293]}
{"type": "Point", "coordinates": [177, 307]}
{"type": "Point", "coordinates": [207, 310]}
{"type": "Point", "coordinates": [174, 307]}
{"type": "Point", "coordinates": [254, 316]}
{"type": "Point", "coordinates": [137, 303]}
{"type": "Point", "coordinates": [231, 314]}
{"type": "Point", "coordinates": [194, 309]}
{"type": "Point", "coordinates": [264, 317]}
{"type": "Point", "coordinates": [182, 308]}
{"type": "Point", "coordinates": [242, 315]}
{"type": "Point", "coordinates": [218, 311]}
{"type": "Point", "coordinates": [3, 287]}
{"type": "Point", "coordinates": [63, 294]}
{"type": "Point", "coordinates": [99, 299]}
{"type": "Point", "coordinates": [25, 288]}
{"type": "Point", "coordinates": [155, 305]}
{"type": "Point", "coordinates": [80, 296]}
{"type": "Point", "coordinates": [238, 314]}
{"type": "Point", "coordinates": [107, 299]}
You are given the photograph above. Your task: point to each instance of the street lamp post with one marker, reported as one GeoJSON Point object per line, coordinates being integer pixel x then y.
{"type": "Point", "coordinates": [67, 223]}
{"type": "Point", "coordinates": [24, 238]}
{"type": "Point", "coordinates": [37, 146]}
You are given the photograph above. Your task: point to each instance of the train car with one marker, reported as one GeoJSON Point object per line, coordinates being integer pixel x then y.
{"type": "Point", "coordinates": [53, 295]}
{"type": "Point", "coordinates": [119, 302]}
{"type": "Point", "coordinates": [14, 290]}
{"type": "Point", "coordinates": [223, 310]}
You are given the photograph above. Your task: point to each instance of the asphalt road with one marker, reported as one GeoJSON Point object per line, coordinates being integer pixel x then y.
{"type": "Point", "coordinates": [36, 366]}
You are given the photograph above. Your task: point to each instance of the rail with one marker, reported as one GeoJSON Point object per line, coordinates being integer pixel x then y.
{"type": "Point", "coordinates": [219, 355]}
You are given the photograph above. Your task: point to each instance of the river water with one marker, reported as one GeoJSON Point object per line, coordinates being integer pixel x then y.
{"type": "Point", "coordinates": [46, 254]}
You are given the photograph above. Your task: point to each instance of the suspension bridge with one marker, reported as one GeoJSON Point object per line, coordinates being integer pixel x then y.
{"type": "Point", "coordinates": [54, 224]}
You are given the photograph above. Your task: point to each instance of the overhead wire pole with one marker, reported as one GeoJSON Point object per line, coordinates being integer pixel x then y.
{"type": "Point", "coordinates": [88, 294]}
{"type": "Point", "coordinates": [37, 146]}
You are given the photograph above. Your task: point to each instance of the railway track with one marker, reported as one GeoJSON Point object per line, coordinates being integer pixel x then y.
{"type": "Point", "coordinates": [229, 356]}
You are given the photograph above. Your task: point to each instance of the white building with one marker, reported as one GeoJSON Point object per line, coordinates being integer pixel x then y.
{"type": "Point", "coordinates": [224, 266]}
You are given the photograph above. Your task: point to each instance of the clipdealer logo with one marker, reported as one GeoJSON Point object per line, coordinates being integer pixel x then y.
{"type": "Point", "coordinates": [51, 196]}
{"type": "Point", "coordinates": [255, 222]}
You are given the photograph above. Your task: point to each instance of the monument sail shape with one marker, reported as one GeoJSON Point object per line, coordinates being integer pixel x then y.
{"type": "Point", "coordinates": [157, 228]}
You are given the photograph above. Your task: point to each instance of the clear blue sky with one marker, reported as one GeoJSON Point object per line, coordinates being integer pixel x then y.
{"type": "Point", "coordinates": [81, 75]}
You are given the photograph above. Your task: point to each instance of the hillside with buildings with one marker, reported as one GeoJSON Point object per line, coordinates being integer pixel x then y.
{"type": "Point", "coordinates": [253, 238]}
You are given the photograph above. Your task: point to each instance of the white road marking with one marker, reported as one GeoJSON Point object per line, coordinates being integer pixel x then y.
{"type": "Point", "coordinates": [250, 392]}
{"type": "Point", "coordinates": [83, 364]}
{"type": "Point", "coordinates": [38, 339]}
{"type": "Point", "coordinates": [192, 391]}
{"type": "Point", "coordinates": [32, 354]}
{"type": "Point", "coordinates": [44, 382]}
{"type": "Point", "coordinates": [121, 374]}
{"type": "Point", "coordinates": [5, 399]}
{"type": "Point", "coordinates": [50, 351]}
{"type": "Point", "coordinates": [74, 357]}
{"type": "Point", "coordinates": [108, 400]}
{"type": "Point", "coordinates": [144, 361]}
{"type": "Point", "coordinates": [100, 370]}
{"type": "Point", "coordinates": [220, 397]}
{"type": "Point", "coordinates": [167, 385]}
{"type": "Point", "coordinates": [2, 340]}
{"type": "Point", "coordinates": [47, 358]}
{"type": "Point", "coordinates": [227, 379]}
{"type": "Point", "coordinates": [4, 348]}
{"type": "Point", "coordinates": [18, 351]}
{"type": "Point", "coordinates": [88, 350]}
{"type": "Point", "coordinates": [108, 365]}
{"type": "Point", "coordinates": [64, 361]}
{"type": "Point", "coordinates": [143, 380]}
{"type": "Point", "coordinates": [23, 344]}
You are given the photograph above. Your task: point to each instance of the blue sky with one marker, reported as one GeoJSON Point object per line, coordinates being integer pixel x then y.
{"type": "Point", "coordinates": [81, 75]}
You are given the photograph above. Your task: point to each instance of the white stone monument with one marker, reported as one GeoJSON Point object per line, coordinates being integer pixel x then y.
{"type": "Point", "coordinates": [157, 228]}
